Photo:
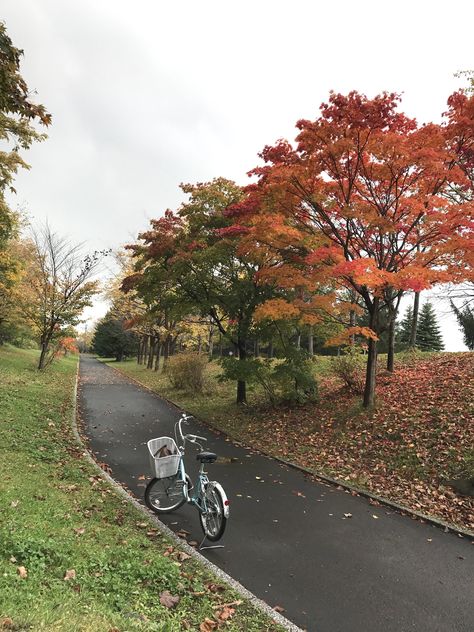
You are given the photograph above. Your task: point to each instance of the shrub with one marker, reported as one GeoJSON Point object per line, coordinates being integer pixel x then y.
{"type": "Point", "coordinates": [289, 380]}
{"type": "Point", "coordinates": [186, 371]}
{"type": "Point", "coordinates": [349, 367]}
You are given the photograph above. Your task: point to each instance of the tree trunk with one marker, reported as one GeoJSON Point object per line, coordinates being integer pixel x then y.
{"type": "Point", "coordinates": [44, 353]}
{"type": "Point", "coordinates": [166, 350]}
{"type": "Point", "coordinates": [199, 344]}
{"type": "Point", "coordinates": [257, 349]}
{"type": "Point", "coordinates": [270, 349]}
{"type": "Point", "coordinates": [311, 342]}
{"type": "Point", "coordinates": [414, 322]}
{"type": "Point", "coordinates": [145, 350]}
{"type": "Point", "coordinates": [158, 355]}
{"type": "Point", "coordinates": [371, 372]}
{"type": "Point", "coordinates": [151, 355]}
{"type": "Point", "coordinates": [298, 342]}
{"type": "Point", "coordinates": [211, 343]}
{"type": "Point", "coordinates": [391, 344]}
{"type": "Point", "coordinates": [352, 322]}
{"type": "Point", "coordinates": [241, 384]}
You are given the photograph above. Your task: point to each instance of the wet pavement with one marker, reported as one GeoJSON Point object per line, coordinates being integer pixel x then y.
{"type": "Point", "coordinates": [333, 561]}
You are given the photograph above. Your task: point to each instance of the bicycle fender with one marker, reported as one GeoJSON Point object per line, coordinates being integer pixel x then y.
{"type": "Point", "coordinates": [225, 500]}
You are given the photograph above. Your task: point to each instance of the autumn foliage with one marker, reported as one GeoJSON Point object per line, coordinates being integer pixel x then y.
{"type": "Point", "coordinates": [368, 201]}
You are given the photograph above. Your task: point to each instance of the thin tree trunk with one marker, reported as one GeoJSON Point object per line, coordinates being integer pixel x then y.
{"type": "Point", "coordinates": [414, 322]}
{"type": "Point", "coordinates": [221, 345]}
{"type": "Point", "coordinates": [211, 343]}
{"type": "Point", "coordinates": [241, 384]}
{"type": "Point", "coordinates": [145, 350]}
{"type": "Point", "coordinates": [166, 350]}
{"type": "Point", "coordinates": [352, 322]}
{"type": "Point", "coordinates": [256, 348]}
{"type": "Point", "coordinates": [151, 355]}
{"type": "Point", "coordinates": [298, 342]}
{"type": "Point", "coordinates": [158, 355]}
{"type": "Point", "coordinates": [393, 313]}
{"type": "Point", "coordinates": [311, 342]}
{"type": "Point", "coordinates": [391, 345]}
{"type": "Point", "coordinates": [270, 349]}
{"type": "Point", "coordinates": [371, 372]}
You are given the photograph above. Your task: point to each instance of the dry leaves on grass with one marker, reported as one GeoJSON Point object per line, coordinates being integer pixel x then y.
{"type": "Point", "coordinates": [168, 600]}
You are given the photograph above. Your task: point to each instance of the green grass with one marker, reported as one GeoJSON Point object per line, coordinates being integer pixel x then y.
{"type": "Point", "coordinates": [57, 515]}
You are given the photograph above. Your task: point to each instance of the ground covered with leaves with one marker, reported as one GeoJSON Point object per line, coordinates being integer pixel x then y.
{"type": "Point", "coordinates": [411, 449]}
{"type": "Point", "coordinates": [73, 555]}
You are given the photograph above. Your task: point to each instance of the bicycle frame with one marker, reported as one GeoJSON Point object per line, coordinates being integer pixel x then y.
{"type": "Point", "coordinates": [198, 498]}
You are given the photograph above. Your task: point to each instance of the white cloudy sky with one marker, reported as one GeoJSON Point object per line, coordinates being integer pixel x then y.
{"type": "Point", "coordinates": [147, 94]}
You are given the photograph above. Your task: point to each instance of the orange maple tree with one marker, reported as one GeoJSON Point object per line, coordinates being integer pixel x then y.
{"type": "Point", "coordinates": [362, 203]}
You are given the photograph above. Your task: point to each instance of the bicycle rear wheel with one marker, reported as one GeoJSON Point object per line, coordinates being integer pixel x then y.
{"type": "Point", "coordinates": [212, 518]}
{"type": "Point", "coordinates": [163, 495]}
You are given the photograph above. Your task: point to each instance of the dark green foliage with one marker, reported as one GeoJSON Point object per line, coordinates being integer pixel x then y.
{"type": "Point", "coordinates": [112, 340]}
{"type": "Point", "coordinates": [465, 318]}
{"type": "Point", "coordinates": [290, 379]}
{"type": "Point", "coordinates": [428, 335]}
{"type": "Point", "coordinates": [404, 329]}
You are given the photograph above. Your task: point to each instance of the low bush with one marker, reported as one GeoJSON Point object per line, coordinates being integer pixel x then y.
{"type": "Point", "coordinates": [186, 371]}
{"type": "Point", "coordinates": [349, 367]}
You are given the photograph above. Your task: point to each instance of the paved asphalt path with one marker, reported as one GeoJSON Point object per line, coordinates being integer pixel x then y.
{"type": "Point", "coordinates": [287, 539]}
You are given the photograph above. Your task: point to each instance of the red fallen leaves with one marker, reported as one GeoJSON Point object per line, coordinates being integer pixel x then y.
{"type": "Point", "coordinates": [420, 435]}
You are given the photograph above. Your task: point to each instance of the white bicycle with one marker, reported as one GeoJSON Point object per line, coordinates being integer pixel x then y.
{"type": "Point", "coordinates": [171, 486]}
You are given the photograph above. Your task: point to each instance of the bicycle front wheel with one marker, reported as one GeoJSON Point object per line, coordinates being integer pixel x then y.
{"type": "Point", "coordinates": [163, 495]}
{"type": "Point", "coordinates": [213, 516]}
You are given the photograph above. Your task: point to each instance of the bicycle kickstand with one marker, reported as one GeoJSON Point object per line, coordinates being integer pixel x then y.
{"type": "Point", "coordinates": [211, 546]}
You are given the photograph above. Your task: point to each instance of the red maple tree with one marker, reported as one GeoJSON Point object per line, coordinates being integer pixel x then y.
{"type": "Point", "coordinates": [362, 203]}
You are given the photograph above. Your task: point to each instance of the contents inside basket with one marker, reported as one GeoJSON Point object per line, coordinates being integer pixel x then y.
{"type": "Point", "coordinates": [163, 451]}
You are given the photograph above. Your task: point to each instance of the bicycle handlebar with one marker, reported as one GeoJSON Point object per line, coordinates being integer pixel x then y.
{"type": "Point", "coordinates": [188, 437]}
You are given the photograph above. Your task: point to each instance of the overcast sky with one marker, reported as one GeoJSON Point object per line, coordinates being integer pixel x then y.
{"type": "Point", "coordinates": [145, 95]}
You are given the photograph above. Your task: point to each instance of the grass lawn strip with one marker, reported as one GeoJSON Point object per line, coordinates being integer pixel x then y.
{"type": "Point", "coordinates": [73, 554]}
{"type": "Point", "coordinates": [420, 435]}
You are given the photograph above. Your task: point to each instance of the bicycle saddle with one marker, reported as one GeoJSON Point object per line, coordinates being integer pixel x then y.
{"type": "Point", "coordinates": [206, 457]}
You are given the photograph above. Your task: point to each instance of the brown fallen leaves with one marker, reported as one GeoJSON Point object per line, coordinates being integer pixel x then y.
{"type": "Point", "coordinates": [224, 612]}
{"type": "Point", "coordinates": [22, 572]}
{"type": "Point", "coordinates": [420, 435]}
{"type": "Point", "coordinates": [168, 600]}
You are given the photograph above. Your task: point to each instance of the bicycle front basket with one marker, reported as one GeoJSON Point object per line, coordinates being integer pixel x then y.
{"type": "Point", "coordinates": [163, 463]}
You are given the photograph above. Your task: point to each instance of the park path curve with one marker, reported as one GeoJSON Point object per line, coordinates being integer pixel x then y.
{"type": "Point", "coordinates": [288, 540]}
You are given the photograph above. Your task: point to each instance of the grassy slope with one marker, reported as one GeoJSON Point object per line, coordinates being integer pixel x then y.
{"type": "Point", "coordinates": [57, 515]}
{"type": "Point", "coordinates": [421, 433]}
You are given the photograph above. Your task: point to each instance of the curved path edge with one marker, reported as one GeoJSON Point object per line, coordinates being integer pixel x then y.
{"type": "Point", "coordinates": [416, 515]}
{"type": "Point", "coordinates": [222, 575]}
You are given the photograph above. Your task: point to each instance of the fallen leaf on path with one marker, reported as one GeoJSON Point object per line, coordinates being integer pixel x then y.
{"type": "Point", "coordinates": [279, 609]}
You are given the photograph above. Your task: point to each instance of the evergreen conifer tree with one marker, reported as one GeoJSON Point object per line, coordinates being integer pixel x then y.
{"type": "Point", "coordinates": [112, 340]}
{"type": "Point", "coordinates": [428, 336]}
{"type": "Point", "coordinates": [404, 329]}
{"type": "Point", "coordinates": [465, 318]}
